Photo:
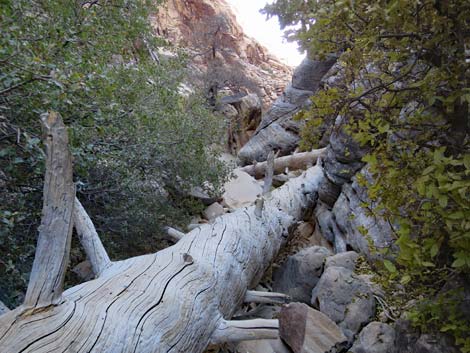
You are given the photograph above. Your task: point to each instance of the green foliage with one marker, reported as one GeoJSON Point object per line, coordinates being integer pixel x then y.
{"type": "Point", "coordinates": [405, 95]}
{"type": "Point", "coordinates": [139, 146]}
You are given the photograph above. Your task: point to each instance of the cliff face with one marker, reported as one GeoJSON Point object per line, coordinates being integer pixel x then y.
{"type": "Point", "coordinates": [209, 30]}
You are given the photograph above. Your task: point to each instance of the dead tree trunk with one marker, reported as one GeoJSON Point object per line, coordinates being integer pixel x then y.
{"type": "Point", "coordinates": [177, 300]}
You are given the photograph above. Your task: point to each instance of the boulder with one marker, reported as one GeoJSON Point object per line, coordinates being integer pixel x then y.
{"type": "Point", "coordinates": [84, 271]}
{"type": "Point", "coordinates": [213, 211]}
{"type": "Point", "coordinates": [241, 190]}
{"type": "Point", "coordinates": [376, 337]}
{"type": "Point", "coordinates": [306, 330]}
{"type": "Point", "coordinates": [300, 273]}
{"type": "Point", "coordinates": [345, 259]}
{"type": "Point", "coordinates": [345, 299]}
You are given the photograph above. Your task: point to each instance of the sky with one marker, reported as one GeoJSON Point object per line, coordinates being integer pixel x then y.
{"type": "Point", "coordinates": [268, 33]}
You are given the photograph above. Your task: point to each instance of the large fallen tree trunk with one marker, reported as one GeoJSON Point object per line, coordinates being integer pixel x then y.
{"type": "Point", "coordinates": [180, 299]}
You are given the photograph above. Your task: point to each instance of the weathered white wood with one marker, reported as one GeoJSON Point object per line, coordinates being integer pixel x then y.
{"type": "Point", "coordinates": [52, 251]}
{"type": "Point", "coordinates": [90, 240]}
{"type": "Point", "coordinates": [293, 162]}
{"type": "Point", "coordinates": [269, 173]}
{"type": "Point", "coordinates": [174, 234]}
{"type": "Point", "coordinates": [252, 296]}
{"type": "Point", "coordinates": [175, 300]}
{"type": "Point", "coordinates": [245, 330]}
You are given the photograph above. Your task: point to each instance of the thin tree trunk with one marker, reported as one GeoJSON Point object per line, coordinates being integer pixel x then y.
{"type": "Point", "coordinates": [55, 233]}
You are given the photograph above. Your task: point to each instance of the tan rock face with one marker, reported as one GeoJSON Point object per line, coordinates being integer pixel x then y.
{"type": "Point", "coordinates": [210, 30]}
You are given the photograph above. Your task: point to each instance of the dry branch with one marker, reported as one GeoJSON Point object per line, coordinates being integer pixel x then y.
{"type": "Point", "coordinates": [52, 252]}
{"type": "Point", "coordinates": [291, 162]}
{"type": "Point", "coordinates": [90, 240]}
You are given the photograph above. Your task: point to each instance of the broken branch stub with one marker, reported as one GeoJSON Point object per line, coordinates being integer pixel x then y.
{"type": "Point", "coordinates": [52, 251]}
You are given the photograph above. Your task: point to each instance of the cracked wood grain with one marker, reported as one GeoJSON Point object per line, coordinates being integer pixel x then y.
{"type": "Point", "coordinates": [177, 300]}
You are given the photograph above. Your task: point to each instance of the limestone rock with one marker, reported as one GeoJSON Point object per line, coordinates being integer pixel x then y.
{"type": "Point", "coordinates": [345, 259]}
{"type": "Point", "coordinates": [307, 330]}
{"type": "Point", "coordinates": [213, 211]}
{"type": "Point", "coordinates": [376, 337]}
{"type": "Point", "coordinates": [242, 190]}
{"type": "Point", "coordinates": [345, 299]}
{"type": "Point", "coordinates": [300, 273]}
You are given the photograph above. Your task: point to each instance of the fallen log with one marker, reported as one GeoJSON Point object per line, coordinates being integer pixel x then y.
{"type": "Point", "coordinates": [292, 162]}
{"type": "Point", "coordinates": [179, 299]}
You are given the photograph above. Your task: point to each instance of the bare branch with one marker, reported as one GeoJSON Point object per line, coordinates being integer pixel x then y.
{"type": "Point", "coordinates": [174, 234]}
{"type": "Point", "coordinates": [253, 296]}
{"type": "Point", "coordinates": [245, 330]}
{"type": "Point", "coordinates": [52, 252]}
{"type": "Point", "coordinates": [90, 240]}
{"type": "Point", "coordinates": [293, 162]}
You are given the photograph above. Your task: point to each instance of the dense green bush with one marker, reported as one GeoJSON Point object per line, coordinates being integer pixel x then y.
{"type": "Point", "coordinates": [139, 146]}
{"type": "Point", "coordinates": [413, 113]}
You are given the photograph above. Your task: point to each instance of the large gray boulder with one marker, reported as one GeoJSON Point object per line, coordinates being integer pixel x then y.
{"type": "Point", "coordinates": [345, 299]}
{"type": "Point", "coordinates": [376, 337]}
{"type": "Point", "coordinates": [300, 273]}
{"type": "Point", "coordinates": [346, 259]}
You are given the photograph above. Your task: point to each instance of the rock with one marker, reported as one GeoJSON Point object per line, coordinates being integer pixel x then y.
{"type": "Point", "coordinates": [84, 271]}
{"type": "Point", "coordinates": [409, 340]}
{"type": "Point", "coordinates": [262, 346]}
{"type": "Point", "coordinates": [242, 190]}
{"type": "Point", "coordinates": [213, 211]}
{"type": "Point", "coordinates": [350, 217]}
{"type": "Point", "coordinates": [345, 259]}
{"type": "Point", "coordinates": [345, 299]}
{"type": "Point", "coordinates": [376, 337]}
{"type": "Point", "coordinates": [306, 330]}
{"type": "Point", "coordinates": [300, 273]}
{"type": "Point", "coordinates": [194, 24]}
{"type": "Point", "coordinates": [244, 122]}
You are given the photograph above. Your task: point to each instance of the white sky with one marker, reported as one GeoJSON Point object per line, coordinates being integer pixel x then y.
{"type": "Point", "coordinates": [267, 33]}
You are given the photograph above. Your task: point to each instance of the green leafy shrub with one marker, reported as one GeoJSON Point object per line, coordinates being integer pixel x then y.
{"type": "Point", "coordinates": [405, 93]}
{"type": "Point", "coordinates": [139, 146]}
